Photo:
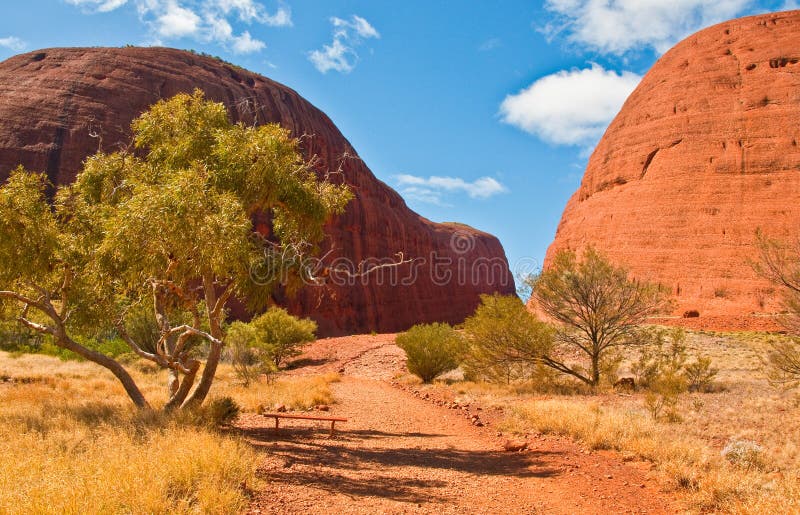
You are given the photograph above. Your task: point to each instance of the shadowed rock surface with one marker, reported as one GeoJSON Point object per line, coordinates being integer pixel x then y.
{"type": "Point", "coordinates": [58, 106]}
{"type": "Point", "coordinates": [703, 153]}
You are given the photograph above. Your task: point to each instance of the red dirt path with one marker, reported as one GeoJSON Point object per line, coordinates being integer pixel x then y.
{"type": "Point", "coordinates": [403, 453]}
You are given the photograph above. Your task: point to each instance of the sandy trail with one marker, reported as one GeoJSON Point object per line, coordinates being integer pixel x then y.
{"type": "Point", "coordinates": [402, 454]}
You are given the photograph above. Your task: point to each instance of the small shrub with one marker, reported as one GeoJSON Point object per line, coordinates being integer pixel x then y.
{"type": "Point", "coordinates": [220, 411]}
{"type": "Point", "coordinates": [431, 350]}
{"type": "Point", "coordinates": [700, 374]}
{"type": "Point", "coordinates": [662, 399]}
{"type": "Point", "coordinates": [280, 336]}
{"type": "Point", "coordinates": [247, 360]}
{"type": "Point", "coordinates": [744, 453]}
{"type": "Point", "coordinates": [265, 344]}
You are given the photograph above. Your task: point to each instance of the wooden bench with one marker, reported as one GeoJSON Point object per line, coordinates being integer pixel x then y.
{"type": "Point", "coordinates": [278, 416]}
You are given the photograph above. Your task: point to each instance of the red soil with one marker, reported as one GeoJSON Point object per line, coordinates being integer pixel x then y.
{"type": "Point", "coordinates": [404, 451]}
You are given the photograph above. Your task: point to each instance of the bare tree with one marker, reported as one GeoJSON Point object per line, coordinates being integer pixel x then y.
{"type": "Point", "coordinates": [597, 306]}
{"type": "Point", "coordinates": [780, 263]}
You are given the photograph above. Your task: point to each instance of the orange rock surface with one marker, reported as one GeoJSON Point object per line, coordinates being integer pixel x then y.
{"type": "Point", "coordinates": [703, 153]}
{"type": "Point", "coordinates": [60, 105]}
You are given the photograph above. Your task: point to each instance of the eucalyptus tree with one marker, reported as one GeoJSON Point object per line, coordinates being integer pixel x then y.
{"type": "Point", "coordinates": [169, 223]}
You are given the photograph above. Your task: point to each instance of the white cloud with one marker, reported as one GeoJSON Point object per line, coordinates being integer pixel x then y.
{"type": "Point", "coordinates": [13, 43]}
{"type": "Point", "coordinates": [432, 188]}
{"type": "Point", "coordinates": [249, 11]}
{"type": "Point", "coordinates": [177, 22]}
{"type": "Point", "coordinates": [618, 26]}
{"type": "Point", "coordinates": [570, 107]}
{"type": "Point", "coordinates": [102, 6]}
{"type": "Point", "coordinates": [341, 55]}
{"type": "Point", "coordinates": [245, 44]}
{"type": "Point", "coordinates": [336, 56]}
{"type": "Point", "coordinates": [202, 20]}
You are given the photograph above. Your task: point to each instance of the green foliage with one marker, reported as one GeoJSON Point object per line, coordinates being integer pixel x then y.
{"type": "Point", "coordinates": [431, 350]}
{"type": "Point", "coordinates": [282, 336]}
{"type": "Point", "coordinates": [664, 369]}
{"type": "Point", "coordinates": [663, 352]}
{"type": "Point", "coordinates": [505, 341]}
{"type": "Point", "coordinates": [249, 362]}
{"type": "Point", "coordinates": [779, 262]}
{"type": "Point", "coordinates": [598, 307]}
{"type": "Point", "coordinates": [700, 374]}
{"type": "Point", "coordinates": [267, 342]}
{"type": "Point", "coordinates": [170, 227]}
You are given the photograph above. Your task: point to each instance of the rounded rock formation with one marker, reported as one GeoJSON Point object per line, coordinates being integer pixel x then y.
{"type": "Point", "coordinates": [704, 152]}
{"type": "Point", "coordinates": [58, 106]}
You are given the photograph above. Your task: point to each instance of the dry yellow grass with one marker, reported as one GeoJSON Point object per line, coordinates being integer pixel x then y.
{"type": "Point", "coordinates": [71, 442]}
{"type": "Point", "coordinates": [688, 453]}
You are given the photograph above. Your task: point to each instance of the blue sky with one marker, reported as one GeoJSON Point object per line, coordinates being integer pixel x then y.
{"type": "Point", "coordinates": [478, 112]}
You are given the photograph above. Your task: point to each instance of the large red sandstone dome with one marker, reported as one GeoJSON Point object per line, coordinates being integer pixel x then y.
{"type": "Point", "coordinates": [57, 106]}
{"type": "Point", "coordinates": [703, 153]}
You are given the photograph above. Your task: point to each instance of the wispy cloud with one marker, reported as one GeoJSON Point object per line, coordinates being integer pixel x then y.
{"type": "Point", "coordinates": [432, 189]}
{"type": "Point", "coordinates": [619, 26]}
{"type": "Point", "coordinates": [202, 20]}
{"type": "Point", "coordinates": [102, 6]}
{"type": "Point", "coordinates": [490, 44]}
{"type": "Point", "coordinates": [12, 43]}
{"type": "Point", "coordinates": [571, 107]}
{"type": "Point", "coordinates": [341, 55]}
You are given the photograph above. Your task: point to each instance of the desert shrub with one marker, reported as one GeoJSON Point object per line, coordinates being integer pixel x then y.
{"type": "Point", "coordinates": [782, 362]}
{"type": "Point", "coordinates": [663, 395]}
{"type": "Point", "coordinates": [248, 361]}
{"type": "Point", "coordinates": [744, 453]}
{"type": "Point", "coordinates": [663, 352]}
{"type": "Point", "coordinates": [265, 344]}
{"type": "Point", "coordinates": [280, 336]}
{"type": "Point", "coordinates": [660, 370]}
{"type": "Point", "coordinates": [700, 374]}
{"type": "Point", "coordinates": [505, 341]}
{"type": "Point", "coordinates": [219, 411]}
{"type": "Point", "coordinates": [664, 369]}
{"type": "Point", "coordinates": [431, 350]}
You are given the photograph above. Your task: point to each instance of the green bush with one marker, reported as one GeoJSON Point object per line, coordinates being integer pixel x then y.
{"type": "Point", "coordinates": [700, 374]}
{"type": "Point", "coordinates": [431, 350]}
{"type": "Point", "coordinates": [505, 341]}
{"type": "Point", "coordinates": [248, 361]}
{"type": "Point", "coordinates": [264, 344]}
{"type": "Point", "coordinates": [282, 336]}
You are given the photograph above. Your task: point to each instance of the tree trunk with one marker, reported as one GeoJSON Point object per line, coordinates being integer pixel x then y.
{"type": "Point", "coordinates": [186, 385]}
{"type": "Point", "coordinates": [104, 361]}
{"type": "Point", "coordinates": [215, 314]}
{"type": "Point", "coordinates": [595, 370]}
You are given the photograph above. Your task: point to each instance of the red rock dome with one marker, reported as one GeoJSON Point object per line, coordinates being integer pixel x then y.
{"type": "Point", "coordinates": [57, 106]}
{"type": "Point", "coordinates": [704, 152]}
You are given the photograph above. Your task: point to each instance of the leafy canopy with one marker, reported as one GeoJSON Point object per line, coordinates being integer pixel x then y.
{"type": "Point", "coordinates": [505, 340]}
{"type": "Point", "coordinates": [170, 226]}
{"type": "Point", "coordinates": [431, 350]}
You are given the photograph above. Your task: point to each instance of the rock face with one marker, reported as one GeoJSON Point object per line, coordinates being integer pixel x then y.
{"type": "Point", "coordinates": [703, 153]}
{"type": "Point", "coordinates": [57, 106]}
